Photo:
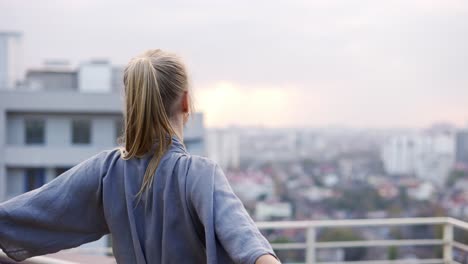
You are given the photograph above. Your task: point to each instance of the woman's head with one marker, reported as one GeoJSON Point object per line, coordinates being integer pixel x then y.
{"type": "Point", "coordinates": [156, 93]}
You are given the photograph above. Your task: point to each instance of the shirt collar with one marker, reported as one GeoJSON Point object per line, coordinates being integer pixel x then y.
{"type": "Point", "coordinates": [177, 144]}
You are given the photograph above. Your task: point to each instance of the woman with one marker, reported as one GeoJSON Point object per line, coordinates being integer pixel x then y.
{"type": "Point", "coordinates": [160, 204]}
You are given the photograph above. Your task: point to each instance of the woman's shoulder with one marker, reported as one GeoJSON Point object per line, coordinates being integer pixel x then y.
{"type": "Point", "coordinates": [109, 154]}
{"type": "Point", "coordinates": [202, 161]}
{"type": "Point", "coordinates": [201, 164]}
{"type": "Point", "coordinates": [199, 169]}
{"type": "Point", "coordinates": [103, 159]}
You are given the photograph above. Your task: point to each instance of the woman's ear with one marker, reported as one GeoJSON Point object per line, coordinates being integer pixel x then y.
{"type": "Point", "coordinates": [185, 102]}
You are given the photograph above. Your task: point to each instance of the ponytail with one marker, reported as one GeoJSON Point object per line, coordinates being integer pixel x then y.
{"type": "Point", "coordinates": [146, 116]}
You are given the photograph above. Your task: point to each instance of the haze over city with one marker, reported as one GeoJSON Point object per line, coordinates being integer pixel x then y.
{"type": "Point", "coordinates": [294, 63]}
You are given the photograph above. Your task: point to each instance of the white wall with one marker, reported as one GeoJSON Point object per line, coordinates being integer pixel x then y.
{"type": "Point", "coordinates": [223, 146]}
{"type": "Point", "coordinates": [95, 77]}
{"type": "Point", "coordinates": [3, 62]}
{"type": "Point", "coordinates": [10, 61]}
{"type": "Point", "coordinates": [15, 130]}
{"type": "Point", "coordinates": [15, 182]}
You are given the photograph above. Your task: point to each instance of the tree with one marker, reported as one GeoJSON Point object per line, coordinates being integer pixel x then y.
{"type": "Point", "coordinates": [345, 234]}
{"type": "Point", "coordinates": [392, 253]}
{"type": "Point", "coordinates": [454, 176]}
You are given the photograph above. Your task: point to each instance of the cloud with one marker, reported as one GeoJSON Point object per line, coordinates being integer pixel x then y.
{"type": "Point", "coordinates": [364, 62]}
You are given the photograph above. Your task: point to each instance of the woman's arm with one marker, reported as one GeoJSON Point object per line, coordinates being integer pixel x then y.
{"type": "Point", "coordinates": [267, 259]}
{"type": "Point", "coordinates": [224, 216]}
{"type": "Point", "coordinates": [64, 213]}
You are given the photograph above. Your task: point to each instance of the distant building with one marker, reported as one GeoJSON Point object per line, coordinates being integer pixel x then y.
{"type": "Point", "coordinates": [398, 155]}
{"type": "Point", "coordinates": [61, 117]}
{"type": "Point", "coordinates": [194, 135]}
{"type": "Point", "coordinates": [251, 185]}
{"type": "Point", "coordinates": [9, 59]}
{"type": "Point", "coordinates": [461, 156]}
{"type": "Point", "coordinates": [316, 194]}
{"type": "Point", "coordinates": [421, 191]}
{"type": "Point", "coordinates": [46, 131]}
{"type": "Point", "coordinates": [428, 155]}
{"type": "Point", "coordinates": [261, 144]}
{"type": "Point", "coordinates": [117, 78]}
{"type": "Point", "coordinates": [95, 76]}
{"type": "Point", "coordinates": [52, 78]}
{"type": "Point", "coordinates": [267, 211]}
{"type": "Point", "coordinates": [223, 146]}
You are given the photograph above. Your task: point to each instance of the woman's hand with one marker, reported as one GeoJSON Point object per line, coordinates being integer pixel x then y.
{"type": "Point", "coordinates": [267, 259]}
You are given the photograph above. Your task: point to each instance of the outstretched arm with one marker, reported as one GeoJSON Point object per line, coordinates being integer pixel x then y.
{"type": "Point", "coordinates": [64, 213]}
{"type": "Point", "coordinates": [267, 259]}
{"type": "Point", "coordinates": [224, 217]}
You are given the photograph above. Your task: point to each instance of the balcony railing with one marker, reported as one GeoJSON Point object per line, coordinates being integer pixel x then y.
{"type": "Point", "coordinates": [311, 244]}
{"type": "Point", "coordinates": [36, 260]}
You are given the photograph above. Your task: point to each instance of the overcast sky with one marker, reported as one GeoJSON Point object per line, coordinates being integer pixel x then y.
{"type": "Point", "coordinates": [395, 63]}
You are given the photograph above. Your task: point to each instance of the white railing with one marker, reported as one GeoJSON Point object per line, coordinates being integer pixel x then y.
{"type": "Point", "coordinates": [311, 245]}
{"type": "Point", "coordinates": [35, 260]}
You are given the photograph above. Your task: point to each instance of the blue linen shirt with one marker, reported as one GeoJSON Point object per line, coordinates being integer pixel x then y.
{"type": "Point", "coordinates": [191, 214]}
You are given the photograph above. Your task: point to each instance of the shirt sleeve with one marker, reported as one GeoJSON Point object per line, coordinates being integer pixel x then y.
{"type": "Point", "coordinates": [64, 213]}
{"type": "Point", "coordinates": [224, 217]}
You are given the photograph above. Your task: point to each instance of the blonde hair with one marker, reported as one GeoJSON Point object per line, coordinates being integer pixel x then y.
{"type": "Point", "coordinates": [153, 82]}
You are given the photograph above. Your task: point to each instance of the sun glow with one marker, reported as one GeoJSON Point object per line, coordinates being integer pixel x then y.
{"type": "Point", "coordinates": [226, 103]}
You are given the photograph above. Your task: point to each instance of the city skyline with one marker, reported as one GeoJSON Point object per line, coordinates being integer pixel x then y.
{"type": "Point", "coordinates": [294, 64]}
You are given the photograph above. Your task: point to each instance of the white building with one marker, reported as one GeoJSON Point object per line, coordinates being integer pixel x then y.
{"type": "Point", "coordinates": [95, 76]}
{"type": "Point", "coordinates": [49, 129]}
{"type": "Point", "coordinates": [267, 211]}
{"type": "Point", "coordinates": [53, 76]}
{"type": "Point", "coordinates": [399, 154]}
{"type": "Point", "coordinates": [251, 185]}
{"type": "Point", "coordinates": [428, 155]}
{"type": "Point", "coordinates": [46, 130]}
{"type": "Point", "coordinates": [9, 59]}
{"type": "Point", "coordinates": [422, 191]}
{"type": "Point", "coordinates": [223, 146]}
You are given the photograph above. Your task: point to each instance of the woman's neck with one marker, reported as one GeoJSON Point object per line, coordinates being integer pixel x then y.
{"type": "Point", "coordinates": [177, 125]}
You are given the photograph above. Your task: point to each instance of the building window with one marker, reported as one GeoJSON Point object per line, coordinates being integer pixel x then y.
{"type": "Point", "coordinates": [60, 171]}
{"type": "Point", "coordinates": [35, 131]}
{"type": "Point", "coordinates": [81, 132]}
{"type": "Point", "coordinates": [34, 178]}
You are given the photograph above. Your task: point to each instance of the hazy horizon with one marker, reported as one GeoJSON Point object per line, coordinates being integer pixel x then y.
{"type": "Point", "coordinates": [369, 64]}
{"type": "Point", "coordinates": [338, 127]}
